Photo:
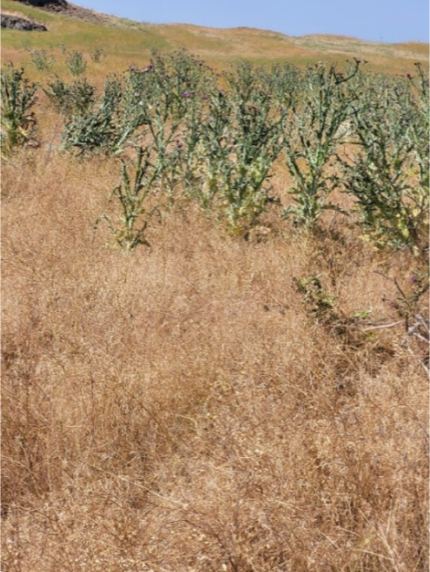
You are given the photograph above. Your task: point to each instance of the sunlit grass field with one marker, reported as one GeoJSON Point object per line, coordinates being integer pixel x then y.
{"type": "Point", "coordinates": [207, 402]}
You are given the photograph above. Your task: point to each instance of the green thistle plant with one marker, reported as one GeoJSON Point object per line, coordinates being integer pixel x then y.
{"type": "Point", "coordinates": [75, 98]}
{"type": "Point", "coordinates": [132, 194]}
{"type": "Point", "coordinates": [99, 55]}
{"type": "Point", "coordinates": [391, 201]}
{"type": "Point", "coordinates": [96, 129]}
{"type": "Point", "coordinates": [18, 96]}
{"type": "Point", "coordinates": [239, 139]}
{"type": "Point", "coordinates": [41, 60]}
{"type": "Point", "coordinates": [314, 132]}
{"type": "Point", "coordinates": [76, 63]}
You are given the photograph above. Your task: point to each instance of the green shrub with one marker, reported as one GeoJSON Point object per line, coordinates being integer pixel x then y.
{"type": "Point", "coordinates": [18, 96]}
{"type": "Point", "coordinates": [76, 63]}
{"type": "Point", "coordinates": [75, 98]}
{"type": "Point", "coordinates": [130, 227]}
{"type": "Point", "coordinates": [238, 140]}
{"type": "Point", "coordinates": [388, 174]}
{"type": "Point", "coordinates": [314, 132]}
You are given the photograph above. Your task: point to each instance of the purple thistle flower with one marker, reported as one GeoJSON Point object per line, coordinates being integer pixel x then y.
{"type": "Point", "coordinates": [186, 94]}
{"type": "Point", "coordinates": [148, 68]}
{"type": "Point", "coordinates": [204, 96]}
{"type": "Point", "coordinates": [409, 76]}
{"type": "Point", "coordinates": [413, 279]}
{"type": "Point", "coordinates": [358, 60]}
{"type": "Point", "coordinates": [179, 144]}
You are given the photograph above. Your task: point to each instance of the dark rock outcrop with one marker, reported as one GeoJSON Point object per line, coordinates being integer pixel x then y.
{"type": "Point", "coordinates": [16, 23]}
{"type": "Point", "coordinates": [49, 4]}
{"type": "Point", "coordinates": [70, 10]}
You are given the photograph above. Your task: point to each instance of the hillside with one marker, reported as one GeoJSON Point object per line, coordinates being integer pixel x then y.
{"type": "Point", "coordinates": [127, 42]}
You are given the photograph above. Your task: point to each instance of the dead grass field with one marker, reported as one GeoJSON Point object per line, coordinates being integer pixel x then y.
{"type": "Point", "coordinates": [179, 409]}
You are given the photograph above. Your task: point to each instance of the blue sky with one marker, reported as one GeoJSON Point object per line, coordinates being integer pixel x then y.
{"type": "Point", "coordinates": [375, 20]}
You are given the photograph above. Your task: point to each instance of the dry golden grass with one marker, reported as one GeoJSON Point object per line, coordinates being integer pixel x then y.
{"type": "Point", "coordinates": [178, 409]}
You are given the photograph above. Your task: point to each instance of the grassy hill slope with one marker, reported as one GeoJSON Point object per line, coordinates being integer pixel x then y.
{"type": "Point", "coordinates": [127, 42]}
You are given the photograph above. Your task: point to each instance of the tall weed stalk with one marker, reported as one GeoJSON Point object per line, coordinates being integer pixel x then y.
{"type": "Point", "coordinates": [316, 127]}
{"type": "Point", "coordinates": [18, 96]}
